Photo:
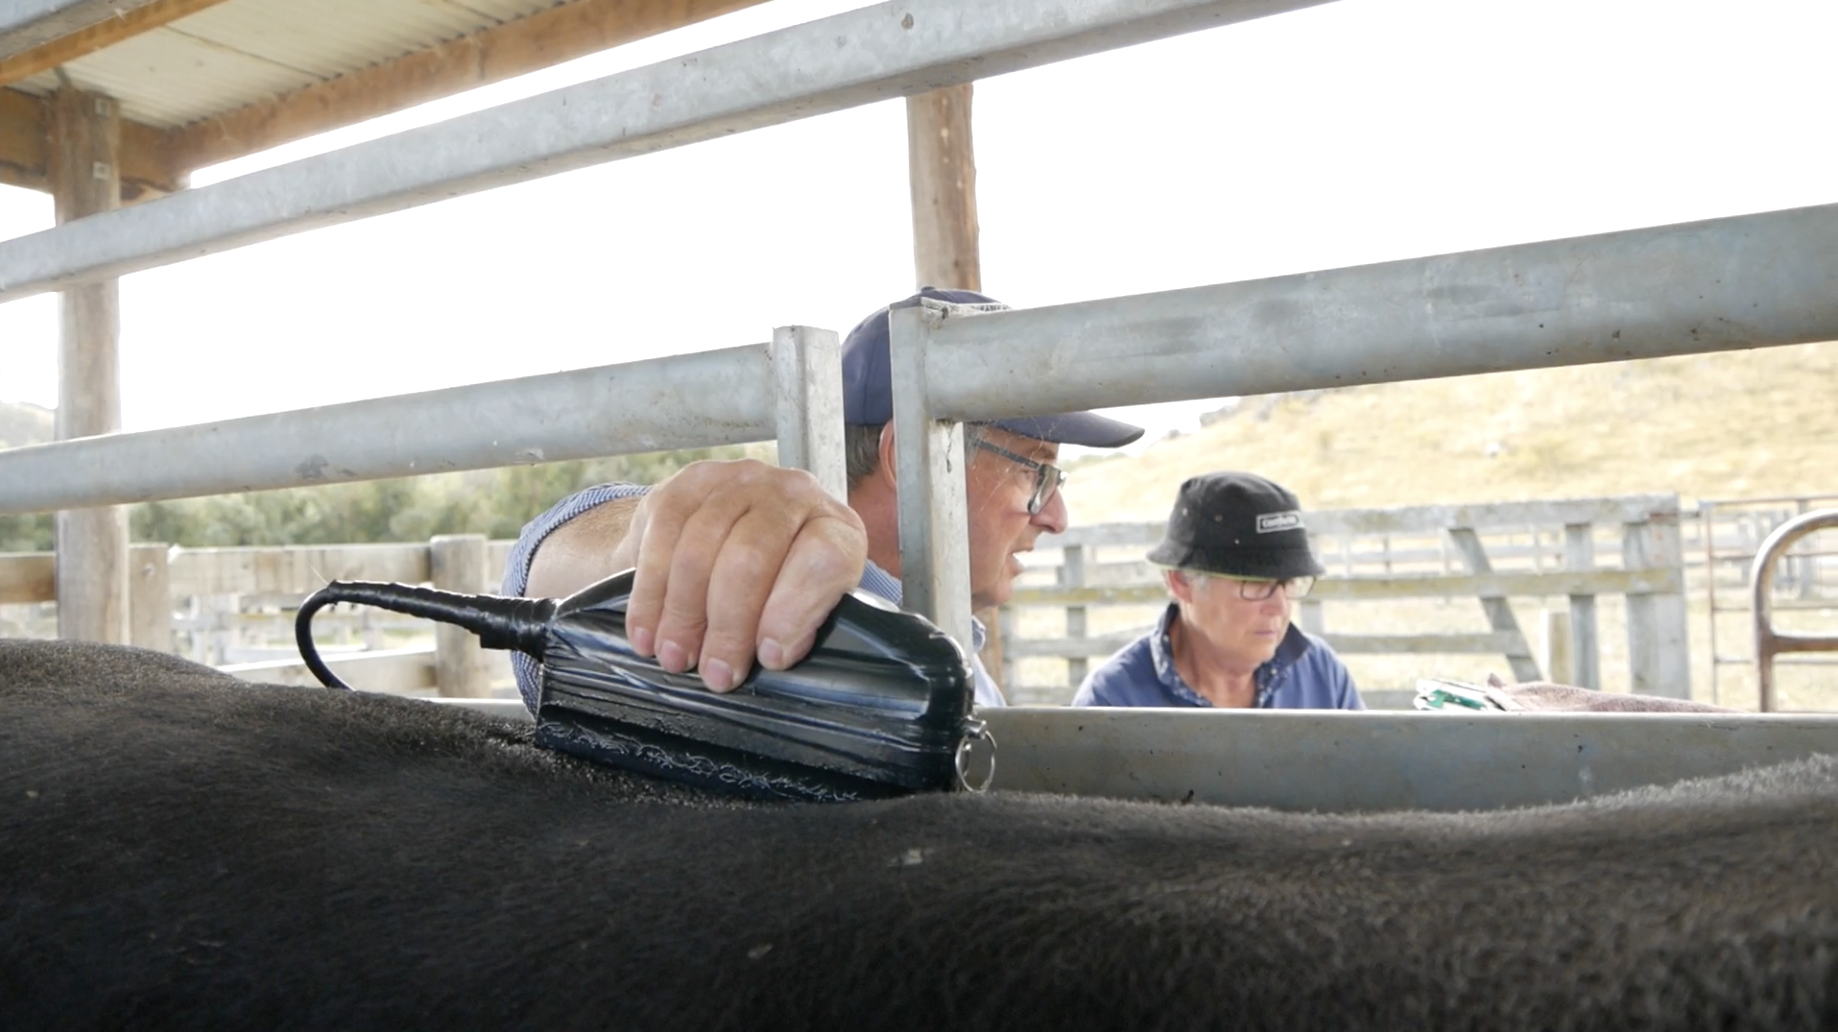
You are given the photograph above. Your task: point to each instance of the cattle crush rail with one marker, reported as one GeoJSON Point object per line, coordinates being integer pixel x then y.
{"type": "Point", "coordinates": [1747, 281]}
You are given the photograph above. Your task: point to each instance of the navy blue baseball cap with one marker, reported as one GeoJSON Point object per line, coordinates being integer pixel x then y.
{"type": "Point", "coordinates": [867, 385]}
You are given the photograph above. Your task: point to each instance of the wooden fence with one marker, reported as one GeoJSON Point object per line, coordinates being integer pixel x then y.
{"type": "Point", "coordinates": [231, 607]}
{"type": "Point", "coordinates": [244, 596]}
{"type": "Point", "coordinates": [1492, 553]}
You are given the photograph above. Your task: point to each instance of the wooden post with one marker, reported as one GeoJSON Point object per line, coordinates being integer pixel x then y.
{"type": "Point", "coordinates": [92, 544]}
{"type": "Point", "coordinates": [942, 174]}
{"type": "Point", "coordinates": [457, 563]}
{"type": "Point", "coordinates": [1072, 575]}
{"type": "Point", "coordinates": [1585, 670]}
{"type": "Point", "coordinates": [1659, 662]}
{"type": "Point", "coordinates": [150, 598]}
{"type": "Point", "coordinates": [1558, 655]}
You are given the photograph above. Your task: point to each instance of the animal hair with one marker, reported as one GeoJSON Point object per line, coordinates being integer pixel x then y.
{"type": "Point", "coordinates": [184, 851]}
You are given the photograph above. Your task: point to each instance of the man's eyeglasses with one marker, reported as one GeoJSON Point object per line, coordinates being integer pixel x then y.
{"type": "Point", "coordinates": [1047, 477]}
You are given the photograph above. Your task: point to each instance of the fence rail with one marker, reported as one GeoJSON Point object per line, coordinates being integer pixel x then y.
{"type": "Point", "coordinates": [219, 585]}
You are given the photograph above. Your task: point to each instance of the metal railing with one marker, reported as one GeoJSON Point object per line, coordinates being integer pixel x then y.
{"type": "Point", "coordinates": [1743, 282]}
{"type": "Point", "coordinates": [1768, 641]}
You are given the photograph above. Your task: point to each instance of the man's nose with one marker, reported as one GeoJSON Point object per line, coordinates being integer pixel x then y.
{"type": "Point", "coordinates": [1054, 517]}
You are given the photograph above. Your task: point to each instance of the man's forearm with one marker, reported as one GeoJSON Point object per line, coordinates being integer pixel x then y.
{"type": "Point", "coordinates": [582, 551]}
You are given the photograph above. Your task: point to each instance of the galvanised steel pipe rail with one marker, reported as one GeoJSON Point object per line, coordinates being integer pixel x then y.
{"type": "Point", "coordinates": [1742, 282]}
{"type": "Point", "coordinates": [685, 401]}
{"type": "Point", "coordinates": [1768, 641]}
{"type": "Point", "coordinates": [854, 58]}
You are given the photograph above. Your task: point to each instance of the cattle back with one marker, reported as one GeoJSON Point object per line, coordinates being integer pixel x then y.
{"type": "Point", "coordinates": [182, 850]}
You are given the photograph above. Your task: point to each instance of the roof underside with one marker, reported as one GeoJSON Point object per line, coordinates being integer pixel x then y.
{"type": "Point", "coordinates": [236, 53]}
{"type": "Point", "coordinates": [198, 82]}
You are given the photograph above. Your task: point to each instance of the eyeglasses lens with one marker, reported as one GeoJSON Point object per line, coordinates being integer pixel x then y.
{"type": "Point", "coordinates": [1258, 591]}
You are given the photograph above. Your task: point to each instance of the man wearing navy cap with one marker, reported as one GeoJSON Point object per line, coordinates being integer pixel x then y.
{"type": "Point", "coordinates": [741, 561]}
{"type": "Point", "coordinates": [1235, 555]}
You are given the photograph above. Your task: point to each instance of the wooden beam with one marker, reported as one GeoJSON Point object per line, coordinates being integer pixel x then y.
{"type": "Point", "coordinates": [538, 41]}
{"type": "Point", "coordinates": [93, 37]}
{"type": "Point", "coordinates": [27, 24]}
{"type": "Point", "coordinates": [22, 141]}
{"type": "Point", "coordinates": [24, 124]}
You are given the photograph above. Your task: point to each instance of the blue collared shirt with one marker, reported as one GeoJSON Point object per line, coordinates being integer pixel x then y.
{"type": "Point", "coordinates": [517, 578]}
{"type": "Point", "coordinates": [1304, 674]}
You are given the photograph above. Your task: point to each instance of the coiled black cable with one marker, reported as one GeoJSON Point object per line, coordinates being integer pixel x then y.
{"type": "Point", "coordinates": [519, 624]}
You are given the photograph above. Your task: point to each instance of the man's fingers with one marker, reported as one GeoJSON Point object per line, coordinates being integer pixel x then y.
{"type": "Point", "coordinates": [741, 580]}
{"type": "Point", "coordinates": [667, 514]}
{"type": "Point", "coordinates": [824, 562]}
{"type": "Point", "coordinates": [734, 558]}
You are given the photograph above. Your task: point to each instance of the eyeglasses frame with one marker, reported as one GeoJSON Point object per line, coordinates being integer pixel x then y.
{"type": "Point", "coordinates": [1048, 478]}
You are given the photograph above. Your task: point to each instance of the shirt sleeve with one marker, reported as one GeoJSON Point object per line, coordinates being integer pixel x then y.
{"type": "Point", "coordinates": [517, 566]}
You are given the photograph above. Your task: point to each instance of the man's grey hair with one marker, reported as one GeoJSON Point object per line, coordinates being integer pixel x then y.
{"type": "Point", "coordinates": [861, 448]}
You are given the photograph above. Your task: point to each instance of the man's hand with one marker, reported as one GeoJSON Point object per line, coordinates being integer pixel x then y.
{"type": "Point", "coordinates": [735, 560]}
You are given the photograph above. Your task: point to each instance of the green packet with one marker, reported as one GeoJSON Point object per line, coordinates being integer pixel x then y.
{"type": "Point", "coordinates": [1435, 693]}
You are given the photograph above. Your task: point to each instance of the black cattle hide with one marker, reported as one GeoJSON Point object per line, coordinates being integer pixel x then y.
{"type": "Point", "coordinates": [179, 850]}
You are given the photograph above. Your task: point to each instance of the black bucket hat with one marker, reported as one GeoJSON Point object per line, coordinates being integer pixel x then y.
{"type": "Point", "coordinates": [1238, 525]}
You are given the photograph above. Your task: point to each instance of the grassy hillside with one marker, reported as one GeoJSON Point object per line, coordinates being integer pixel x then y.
{"type": "Point", "coordinates": [1733, 425]}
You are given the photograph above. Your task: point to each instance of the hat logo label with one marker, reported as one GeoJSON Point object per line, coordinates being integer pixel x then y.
{"type": "Point", "coordinates": [1271, 522]}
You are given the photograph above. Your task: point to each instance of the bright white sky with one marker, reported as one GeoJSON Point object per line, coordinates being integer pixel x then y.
{"type": "Point", "coordinates": [1362, 131]}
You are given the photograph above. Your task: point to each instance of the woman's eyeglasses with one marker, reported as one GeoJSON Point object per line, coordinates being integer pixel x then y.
{"type": "Point", "coordinates": [1259, 590]}
{"type": "Point", "coordinates": [1047, 477]}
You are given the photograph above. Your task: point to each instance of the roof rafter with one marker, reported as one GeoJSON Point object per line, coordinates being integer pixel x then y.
{"type": "Point", "coordinates": [490, 55]}
{"type": "Point", "coordinates": [25, 24]}
{"type": "Point", "coordinates": [128, 21]}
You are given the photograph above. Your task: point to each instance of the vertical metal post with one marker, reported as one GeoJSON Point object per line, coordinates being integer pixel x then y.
{"type": "Point", "coordinates": [1585, 670]}
{"type": "Point", "coordinates": [1657, 636]}
{"type": "Point", "coordinates": [1707, 525]}
{"type": "Point", "coordinates": [929, 464]}
{"type": "Point", "coordinates": [807, 372]}
{"type": "Point", "coordinates": [92, 544]}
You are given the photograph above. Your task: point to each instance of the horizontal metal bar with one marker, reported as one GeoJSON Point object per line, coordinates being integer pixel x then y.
{"type": "Point", "coordinates": [1340, 762]}
{"type": "Point", "coordinates": [1373, 761]}
{"type": "Point", "coordinates": [25, 24]}
{"type": "Point", "coordinates": [854, 58]}
{"type": "Point", "coordinates": [1742, 282]}
{"type": "Point", "coordinates": [684, 401]}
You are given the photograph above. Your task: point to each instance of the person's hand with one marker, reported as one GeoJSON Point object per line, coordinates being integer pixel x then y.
{"type": "Point", "coordinates": [737, 560]}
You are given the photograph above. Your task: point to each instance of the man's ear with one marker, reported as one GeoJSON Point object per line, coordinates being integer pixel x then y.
{"type": "Point", "coordinates": [1178, 585]}
{"type": "Point", "coordinates": [885, 468]}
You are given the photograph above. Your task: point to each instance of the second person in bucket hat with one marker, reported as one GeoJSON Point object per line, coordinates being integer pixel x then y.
{"type": "Point", "coordinates": [1235, 556]}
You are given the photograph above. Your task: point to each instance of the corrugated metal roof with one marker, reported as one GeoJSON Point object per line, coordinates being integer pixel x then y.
{"type": "Point", "coordinates": [243, 51]}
